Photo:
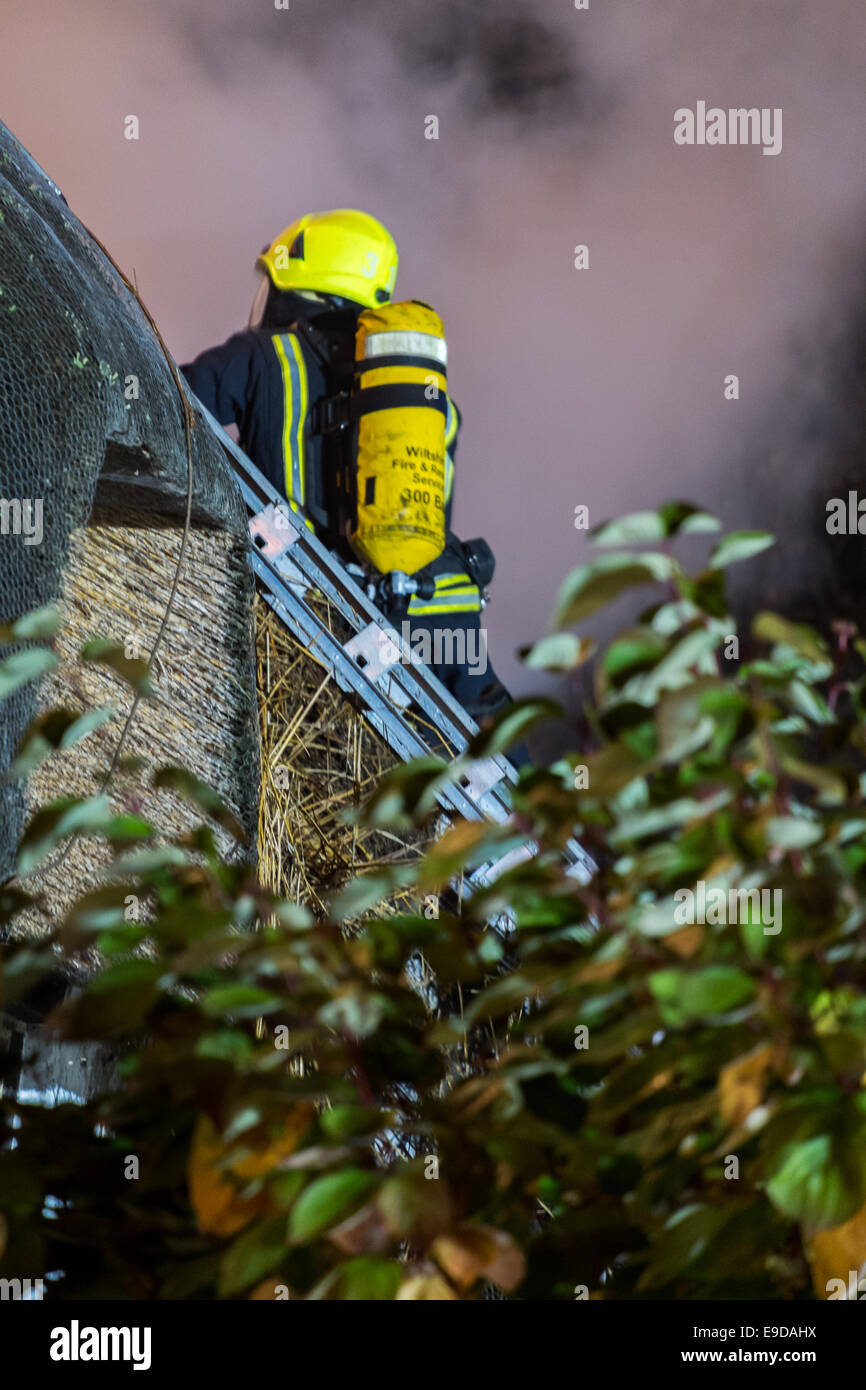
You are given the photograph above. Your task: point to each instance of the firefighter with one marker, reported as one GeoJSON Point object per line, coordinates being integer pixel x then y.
{"type": "Point", "coordinates": [277, 381]}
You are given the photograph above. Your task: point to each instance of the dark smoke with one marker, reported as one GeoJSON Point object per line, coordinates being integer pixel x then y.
{"type": "Point", "coordinates": [506, 59]}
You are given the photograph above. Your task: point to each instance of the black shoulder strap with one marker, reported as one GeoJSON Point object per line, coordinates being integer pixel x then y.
{"type": "Point", "coordinates": [332, 412]}
{"type": "Point", "coordinates": [331, 339]}
{"type": "Point", "coordinates": [322, 346]}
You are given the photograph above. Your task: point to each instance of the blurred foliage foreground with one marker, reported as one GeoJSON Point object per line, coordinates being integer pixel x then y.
{"type": "Point", "coordinates": [616, 1098]}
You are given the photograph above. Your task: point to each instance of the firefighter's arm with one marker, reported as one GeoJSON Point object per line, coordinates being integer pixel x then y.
{"type": "Point", "coordinates": [220, 377]}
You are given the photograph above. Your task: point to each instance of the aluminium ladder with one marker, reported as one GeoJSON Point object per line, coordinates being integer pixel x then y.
{"type": "Point", "coordinates": [375, 665]}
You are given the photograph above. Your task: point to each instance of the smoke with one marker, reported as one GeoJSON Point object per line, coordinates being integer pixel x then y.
{"type": "Point", "coordinates": [601, 387]}
{"type": "Point", "coordinates": [505, 59]}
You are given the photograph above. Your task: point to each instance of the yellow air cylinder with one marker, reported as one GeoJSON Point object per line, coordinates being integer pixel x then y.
{"type": "Point", "coordinates": [400, 403]}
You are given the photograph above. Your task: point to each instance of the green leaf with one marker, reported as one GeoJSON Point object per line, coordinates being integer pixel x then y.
{"type": "Point", "coordinates": [345, 1121]}
{"type": "Point", "coordinates": [125, 973]}
{"type": "Point", "coordinates": [35, 626]}
{"type": "Point", "coordinates": [821, 1180]}
{"type": "Point", "coordinates": [24, 666]}
{"type": "Point", "coordinates": [406, 790]}
{"type": "Point", "coordinates": [810, 703]}
{"type": "Point", "coordinates": [636, 647]}
{"type": "Point", "coordinates": [355, 1012]}
{"type": "Point", "coordinates": [670, 618]}
{"type": "Point", "coordinates": [755, 940]}
{"type": "Point", "coordinates": [465, 845]}
{"type": "Point", "coordinates": [252, 1256]}
{"type": "Point", "coordinates": [740, 545]}
{"type": "Point", "coordinates": [363, 893]}
{"type": "Point", "coordinates": [86, 724]}
{"type": "Point", "coordinates": [125, 828]}
{"type": "Point", "coordinates": [684, 995]}
{"type": "Point", "coordinates": [683, 1241]}
{"type": "Point", "coordinates": [511, 726]}
{"type": "Point", "coordinates": [707, 592]}
{"type": "Point", "coordinates": [829, 784]}
{"type": "Point", "coordinates": [240, 1001]}
{"type": "Point", "coordinates": [682, 724]}
{"type": "Point", "coordinates": [635, 529]}
{"type": "Point", "coordinates": [671, 519]}
{"type": "Point", "coordinates": [793, 832]}
{"type": "Point", "coordinates": [693, 657]}
{"type": "Point", "coordinates": [367, 1279]}
{"type": "Point", "coordinates": [150, 861]}
{"type": "Point", "coordinates": [414, 1207]}
{"type": "Point", "coordinates": [225, 1045]}
{"type": "Point", "coordinates": [662, 818]}
{"type": "Point", "coordinates": [327, 1200]}
{"type": "Point", "coordinates": [133, 671]}
{"type": "Point", "coordinates": [53, 822]}
{"type": "Point", "coordinates": [590, 587]}
{"type": "Point", "coordinates": [555, 1100]}
{"type": "Point", "coordinates": [101, 909]}
{"type": "Point", "coordinates": [56, 728]}
{"type": "Point", "coordinates": [561, 651]}
{"type": "Point", "coordinates": [683, 519]}
{"type": "Point", "coordinates": [654, 919]}
{"type": "Point", "coordinates": [769, 627]}
{"type": "Point", "coordinates": [115, 1003]}
{"type": "Point", "coordinates": [197, 793]}
{"type": "Point", "coordinates": [610, 769]}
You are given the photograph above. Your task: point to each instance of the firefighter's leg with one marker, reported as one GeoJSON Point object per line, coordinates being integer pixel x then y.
{"type": "Point", "coordinates": [454, 645]}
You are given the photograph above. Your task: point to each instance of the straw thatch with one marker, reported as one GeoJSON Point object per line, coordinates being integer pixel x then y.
{"type": "Point", "coordinates": [201, 716]}
{"type": "Point", "coordinates": [320, 761]}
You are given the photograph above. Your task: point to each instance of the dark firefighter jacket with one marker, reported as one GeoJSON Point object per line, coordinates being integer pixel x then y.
{"type": "Point", "coordinates": [267, 382]}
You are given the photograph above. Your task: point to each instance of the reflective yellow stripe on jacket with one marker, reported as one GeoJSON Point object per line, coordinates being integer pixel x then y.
{"type": "Point", "coordinates": [455, 593]}
{"type": "Point", "coordinates": [294, 373]}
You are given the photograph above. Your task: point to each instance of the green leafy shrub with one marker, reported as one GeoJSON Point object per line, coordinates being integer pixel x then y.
{"type": "Point", "coordinates": [652, 1087]}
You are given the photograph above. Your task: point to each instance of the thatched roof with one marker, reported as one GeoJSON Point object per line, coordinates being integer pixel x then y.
{"type": "Point", "coordinates": [85, 390]}
{"type": "Point", "coordinates": [114, 586]}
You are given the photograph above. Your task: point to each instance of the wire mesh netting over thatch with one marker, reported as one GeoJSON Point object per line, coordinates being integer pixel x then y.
{"type": "Point", "coordinates": [320, 761]}
{"type": "Point", "coordinates": [85, 390]}
{"type": "Point", "coordinates": [114, 586]}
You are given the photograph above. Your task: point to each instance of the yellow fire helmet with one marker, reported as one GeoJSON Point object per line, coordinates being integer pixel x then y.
{"type": "Point", "coordinates": [346, 253]}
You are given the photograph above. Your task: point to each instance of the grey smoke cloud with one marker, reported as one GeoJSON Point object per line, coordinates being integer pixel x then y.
{"type": "Point", "coordinates": [601, 387]}
{"type": "Point", "coordinates": [507, 59]}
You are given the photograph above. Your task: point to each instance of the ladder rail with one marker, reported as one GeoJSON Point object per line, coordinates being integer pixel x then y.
{"type": "Point", "coordinates": [376, 665]}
